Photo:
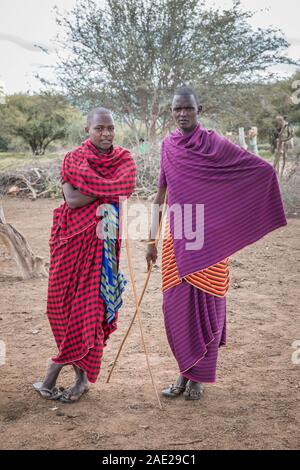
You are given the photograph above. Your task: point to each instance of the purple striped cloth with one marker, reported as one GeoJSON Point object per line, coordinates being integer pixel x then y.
{"type": "Point", "coordinates": [195, 325]}
{"type": "Point", "coordinates": [239, 191]}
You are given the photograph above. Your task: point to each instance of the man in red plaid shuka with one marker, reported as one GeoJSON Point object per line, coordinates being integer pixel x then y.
{"type": "Point", "coordinates": [92, 174]}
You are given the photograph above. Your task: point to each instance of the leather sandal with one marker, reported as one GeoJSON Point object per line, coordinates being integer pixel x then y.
{"type": "Point", "coordinates": [49, 394]}
{"type": "Point", "coordinates": [67, 394]}
{"type": "Point", "coordinates": [173, 391]}
{"type": "Point", "coordinates": [191, 394]}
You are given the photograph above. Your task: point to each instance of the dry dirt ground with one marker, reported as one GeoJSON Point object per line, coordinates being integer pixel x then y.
{"type": "Point", "coordinates": [254, 404]}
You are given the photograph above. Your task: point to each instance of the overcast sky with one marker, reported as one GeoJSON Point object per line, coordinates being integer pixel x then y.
{"type": "Point", "coordinates": [26, 24]}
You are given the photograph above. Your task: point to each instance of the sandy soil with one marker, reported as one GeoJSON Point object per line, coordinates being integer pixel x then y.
{"type": "Point", "coordinates": [254, 404]}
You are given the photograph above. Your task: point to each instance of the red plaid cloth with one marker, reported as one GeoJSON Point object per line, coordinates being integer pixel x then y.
{"type": "Point", "coordinates": [75, 309]}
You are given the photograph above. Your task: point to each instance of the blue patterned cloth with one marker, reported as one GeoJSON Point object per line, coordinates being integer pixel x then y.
{"type": "Point", "coordinates": [112, 281]}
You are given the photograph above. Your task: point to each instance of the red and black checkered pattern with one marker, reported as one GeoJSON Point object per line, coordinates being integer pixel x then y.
{"type": "Point", "coordinates": [75, 309]}
{"type": "Point", "coordinates": [110, 175]}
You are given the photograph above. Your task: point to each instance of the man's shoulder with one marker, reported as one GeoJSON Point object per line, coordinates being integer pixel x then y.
{"type": "Point", "coordinates": [119, 148]}
{"type": "Point", "coordinates": [122, 151]}
{"type": "Point", "coordinates": [76, 151]}
{"type": "Point", "coordinates": [214, 134]}
{"type": "Point", "coordinates": [170, 135]}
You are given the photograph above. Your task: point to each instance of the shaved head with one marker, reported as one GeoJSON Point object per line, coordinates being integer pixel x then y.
{"type": "Point", "coordinates": [187, 91]}
{"type": "Point", "coordinates": [96, 112]}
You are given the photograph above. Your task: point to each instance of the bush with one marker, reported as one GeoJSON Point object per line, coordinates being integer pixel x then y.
{"type": "Point", "coordinates": [32, 182]}
{"type": "Point", "coordinates": [148, 164]}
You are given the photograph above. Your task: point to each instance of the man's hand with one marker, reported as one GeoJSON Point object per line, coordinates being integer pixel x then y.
{"type": "Point", "coordinates": [151, 255]}
{"type": "Point", "coordinates": [74, 198]}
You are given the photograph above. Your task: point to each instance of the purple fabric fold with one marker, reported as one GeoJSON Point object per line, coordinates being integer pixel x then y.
{"type": "Point", "coordinates": [239, 192]}
{"type": "Point", "coordinates": [195, 325]}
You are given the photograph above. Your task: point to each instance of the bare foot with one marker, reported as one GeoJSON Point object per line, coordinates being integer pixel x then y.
{"type": "Point", "coordinates": [80, 387]}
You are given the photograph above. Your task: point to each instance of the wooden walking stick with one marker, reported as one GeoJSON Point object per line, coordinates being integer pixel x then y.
{"type": "Point", "coordinates": [139, 301]}
{"type": "Point", "coordinates": [139, 318]}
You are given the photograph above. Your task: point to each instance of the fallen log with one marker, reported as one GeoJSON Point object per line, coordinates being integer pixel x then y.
{"type": "Point", "coordinates": [29, 265]}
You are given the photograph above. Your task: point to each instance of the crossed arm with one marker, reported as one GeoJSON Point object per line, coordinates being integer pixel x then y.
{"type": "Point", "coordinates": [74, 198]}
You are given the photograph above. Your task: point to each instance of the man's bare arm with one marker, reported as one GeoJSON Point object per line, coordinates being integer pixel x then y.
{"type": "Point", "coordinates": [151, 255]}
{"type": "Point", "coordinates": [159, 200]}
{"type": "Point", "coordinates": [74, 198]}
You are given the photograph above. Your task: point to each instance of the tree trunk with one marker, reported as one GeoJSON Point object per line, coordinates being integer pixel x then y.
{"type": "Point", "coordinates": [30, 266]}
{"type": "Point", "coordinates": [152, 132]}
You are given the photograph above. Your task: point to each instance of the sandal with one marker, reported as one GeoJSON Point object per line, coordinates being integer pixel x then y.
{"type": "Point", "coordinates": [173, 391]}
{"type": "Point", "coordinates": [65, 396]}
{"type": "Point", "coordinates": [49, 394]}
{"type": "Point", "coordinates": [191, 394]}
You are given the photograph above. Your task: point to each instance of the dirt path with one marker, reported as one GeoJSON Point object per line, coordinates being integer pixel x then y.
{"type": "Point", "coordinates": [255, 403]}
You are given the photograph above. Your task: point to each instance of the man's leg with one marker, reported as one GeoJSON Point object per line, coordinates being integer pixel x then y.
{"type": "Point", "coordinates": [47, 388]}
{"type": "Point", "coordinates": [197, 329]}
{"type": "Point", "coordinates": [176, 389]}
{"type": "Point", "coordinates": [80, 386]}
{"type": "Point", "coordinates": [52, 374]}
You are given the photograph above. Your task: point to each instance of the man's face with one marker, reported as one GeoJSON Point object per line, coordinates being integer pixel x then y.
{"type": "Point", "coordinates": [185, 111]}
{"type": "Point", "coordinates": [101, 131]}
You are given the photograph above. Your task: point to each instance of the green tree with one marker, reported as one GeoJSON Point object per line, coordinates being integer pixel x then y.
{"type": "Point", "coordinates": [38, 119]}
{"type": "Point", "coordinates": [258, 104]}
{"type": "Point", "coordinates": [130, 55]}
